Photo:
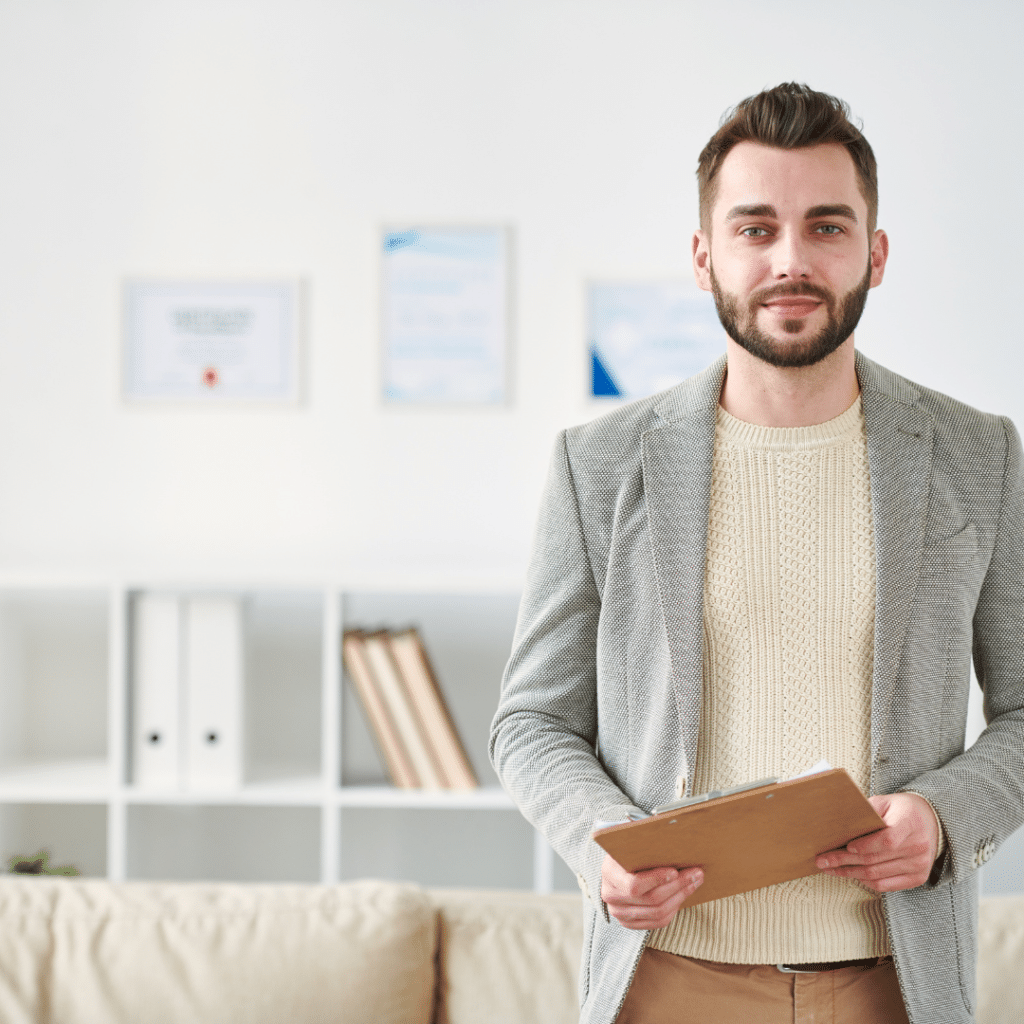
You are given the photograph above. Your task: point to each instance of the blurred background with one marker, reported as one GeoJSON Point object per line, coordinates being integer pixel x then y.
{"type": "Point", "coordinates": [270, 139]}
{"type": "Point", "coordinates": [176, 139]}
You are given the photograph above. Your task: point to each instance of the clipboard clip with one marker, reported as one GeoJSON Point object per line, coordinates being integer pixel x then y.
{"type": "Point", "coordinates": [688, 801]}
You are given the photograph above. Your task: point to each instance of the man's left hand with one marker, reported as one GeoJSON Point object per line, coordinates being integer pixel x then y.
{"type": "Point", "coordinates": [899, 856]}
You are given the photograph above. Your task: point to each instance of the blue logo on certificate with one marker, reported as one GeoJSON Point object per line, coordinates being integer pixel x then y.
{"type": "Point", "coordinates": [399, 240]}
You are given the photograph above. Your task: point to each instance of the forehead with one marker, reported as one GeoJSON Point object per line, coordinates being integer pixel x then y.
{"type": "Point", "coordinates": [791, 180]}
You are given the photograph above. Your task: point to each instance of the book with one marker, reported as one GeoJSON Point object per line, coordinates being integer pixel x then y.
{"type": "Point", "coordinates": [357, 663]}
{"type": "Point", "coordinates": [750, 838]}
{"type": "Point", "coordinates": [411, 730]}
{"type": "Point", "coordinates": [410, 656]}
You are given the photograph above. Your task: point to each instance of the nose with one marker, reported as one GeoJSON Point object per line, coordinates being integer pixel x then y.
{"type": "Point", "coordinates": [791, 257]}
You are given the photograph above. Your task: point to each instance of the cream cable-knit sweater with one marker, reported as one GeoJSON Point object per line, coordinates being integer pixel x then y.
{"type": "Point", "coordinates": [789, 600]}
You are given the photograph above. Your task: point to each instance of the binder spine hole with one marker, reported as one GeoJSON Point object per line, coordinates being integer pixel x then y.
{"type": "Point", "coordinates": [211, 737]}
{"type": "Point", "coordinates": [154, 737]}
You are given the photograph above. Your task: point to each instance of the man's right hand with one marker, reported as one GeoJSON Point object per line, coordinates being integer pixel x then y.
{"type": "Point", "coordinates": [647, 899]}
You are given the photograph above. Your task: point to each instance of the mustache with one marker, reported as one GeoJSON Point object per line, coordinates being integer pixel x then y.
{"type": "Point", "coordinates": [778, 291]}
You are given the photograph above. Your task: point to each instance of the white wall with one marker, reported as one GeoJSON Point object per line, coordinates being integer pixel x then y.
{"type": "Point", "coordinates": [273, 137]}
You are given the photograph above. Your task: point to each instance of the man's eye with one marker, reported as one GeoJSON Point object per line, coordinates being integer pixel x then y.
{"type": "Point", "coordinates": [829, 229]}
{"type": "Point", "coordinates": [754, 232]}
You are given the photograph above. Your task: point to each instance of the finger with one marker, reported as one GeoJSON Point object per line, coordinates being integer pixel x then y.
{"type": "Point", "coordinates": [874, 872]}
{"type": "Point", "coordinates": [838, 859]}
{"type": "Point", "coordinates": [642, 886]}
{"type": "Point", "coordinates": [679, 888]}
{"type": "Point", "coordinates": [633, 884]}
{"type": "Point", "coordinates": [645, 917]}
{"type": "Point", "coordinates": [905, 855]}
{"type": "Point", "coordinates": [912, 845]}
{"type": "Point", "coordinates": [692, 878]}
{"type": "Point", "coordinates": [844, 858]}
{"type": "Point", "coordinates": [894, 883]}
{"type": "Point", "coordinates": [682, 886]}
{"type": "Point", "coordinates": [652, 898]}
{"type": "Point", "coordinates": [684, 882]}
{"type": "Point", "coordinates": [888, 844]}
{"type": "Point", "coordinates": [648, 923]}
{"type": "Point", "coordinates": [907, 873]}
{"type": "Point", "coordinates": [890, 838]}
{"type": "Point", "coordinates": [881, 804]}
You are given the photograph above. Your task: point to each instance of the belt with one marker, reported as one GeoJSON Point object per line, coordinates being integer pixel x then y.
{"type": "Point", "coordinates": [832, 965]}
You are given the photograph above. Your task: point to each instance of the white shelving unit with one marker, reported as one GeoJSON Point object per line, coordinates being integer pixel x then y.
{"type": "Point", "coordinates": [315, 804]}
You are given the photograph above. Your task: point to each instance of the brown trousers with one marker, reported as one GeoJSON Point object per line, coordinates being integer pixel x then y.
{"type": "Point", "coordinates": [670, 989]}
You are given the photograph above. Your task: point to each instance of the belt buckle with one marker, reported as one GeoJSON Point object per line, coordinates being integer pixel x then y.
{"type": "Point", "coordinates": [787, 969]}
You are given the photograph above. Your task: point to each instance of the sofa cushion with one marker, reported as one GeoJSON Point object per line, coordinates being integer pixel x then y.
{"type": "Point", "coordinates": [508, 957]}
{"type": "Point", "coordinates": [82, 952]}
{"type": "Point", "coordinates": [1001, 960]}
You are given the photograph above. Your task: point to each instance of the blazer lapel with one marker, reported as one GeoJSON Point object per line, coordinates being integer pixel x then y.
{"type": "Point", "coordinates": [900, 457]}
{"type": "Point", "coordinates": [677, 459]}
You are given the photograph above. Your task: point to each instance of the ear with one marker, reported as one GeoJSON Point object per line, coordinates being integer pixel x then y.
{"type": "Point", "coordinates": [879, 256]}
{"type": "Point", "coordinates": [701, 250]}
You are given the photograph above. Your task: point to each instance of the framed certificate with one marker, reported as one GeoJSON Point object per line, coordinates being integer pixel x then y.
{"type": "Point", "coordinates": [211, 342]}
{"type": "Point", "coordinates": [646, 336]}
{"type": "Point", "coordinates": [445, 316]}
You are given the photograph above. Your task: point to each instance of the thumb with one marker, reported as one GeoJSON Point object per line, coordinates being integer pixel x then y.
{"type": "Point", "coordinates": [881, 804]}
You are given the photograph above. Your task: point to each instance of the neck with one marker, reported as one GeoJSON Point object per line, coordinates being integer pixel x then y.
{"type": "Point", "coordinates": [798, 396]}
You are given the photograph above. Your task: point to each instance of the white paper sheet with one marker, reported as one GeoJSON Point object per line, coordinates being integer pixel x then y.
{"type": "Point", "coordinates": [815, 769]}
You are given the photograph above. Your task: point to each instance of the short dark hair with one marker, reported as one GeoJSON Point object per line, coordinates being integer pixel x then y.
{"type": "Point", "coordinates": [790, 116]}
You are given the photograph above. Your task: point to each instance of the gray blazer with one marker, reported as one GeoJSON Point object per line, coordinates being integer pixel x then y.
{"type": "Point", "coordinates": [601, 699]}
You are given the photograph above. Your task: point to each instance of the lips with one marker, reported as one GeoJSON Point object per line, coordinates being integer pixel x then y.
{"type": "Point", "coordinates": [793, 306]}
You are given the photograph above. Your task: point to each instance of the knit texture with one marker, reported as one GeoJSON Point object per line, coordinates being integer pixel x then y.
{"type": "Point", "coordinates": [789, 630]}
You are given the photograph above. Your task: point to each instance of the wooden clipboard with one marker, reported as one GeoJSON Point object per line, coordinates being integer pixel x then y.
{"type": "Point", "coordinates": [749, 839]}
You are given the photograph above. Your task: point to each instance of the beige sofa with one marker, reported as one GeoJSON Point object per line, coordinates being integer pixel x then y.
{"type": "Point", "coordinates": [90, 952]}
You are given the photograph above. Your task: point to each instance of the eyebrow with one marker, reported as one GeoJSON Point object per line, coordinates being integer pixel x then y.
{"type": "Point", "coordinates": [831, 210]}
{"type": "Point", "coordinates": [764, 210]}
{"type": "Point", "coordinates": [755, 210]}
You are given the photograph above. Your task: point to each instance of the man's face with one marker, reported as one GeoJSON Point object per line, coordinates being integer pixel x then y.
{"type": "Point", "coordinates": [788, 257]}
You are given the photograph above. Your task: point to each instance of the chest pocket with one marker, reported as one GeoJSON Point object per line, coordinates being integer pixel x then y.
{"type": "Point", "coordinates": [947, 589]}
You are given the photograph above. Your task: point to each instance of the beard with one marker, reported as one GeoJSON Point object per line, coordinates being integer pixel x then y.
{"type": "Point", "coordinates": [843, 316]}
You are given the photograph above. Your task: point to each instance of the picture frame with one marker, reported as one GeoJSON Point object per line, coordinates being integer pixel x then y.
{"type": "Point", "coordinates": [211, 342]}
{"type": "Point", "coordinates": [445, 315]}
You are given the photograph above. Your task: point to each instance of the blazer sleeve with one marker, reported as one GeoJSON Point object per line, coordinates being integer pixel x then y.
{"type": "Point", "coordinates": [544, 735]}
{"type": "Point", "coordinates": [979, 795]}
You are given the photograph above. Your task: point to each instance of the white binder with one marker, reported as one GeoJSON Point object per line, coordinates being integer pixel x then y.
{"type": "Point", "coordinates": [213, 682]}
{"type": "Point", "coordinates": [156, 693]}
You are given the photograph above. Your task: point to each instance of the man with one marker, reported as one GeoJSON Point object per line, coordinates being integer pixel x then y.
{"type": "Point", "coordinates": [787, 557]}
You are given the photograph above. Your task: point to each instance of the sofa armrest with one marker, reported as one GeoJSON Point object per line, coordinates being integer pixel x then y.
{"type": "Point", "coordinates": [508, 957]}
